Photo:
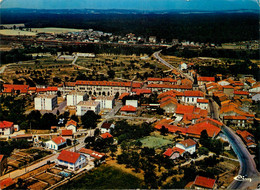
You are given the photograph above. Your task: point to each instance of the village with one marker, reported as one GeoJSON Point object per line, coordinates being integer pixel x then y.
{"type": "Point", "coordinates": [175, 119]}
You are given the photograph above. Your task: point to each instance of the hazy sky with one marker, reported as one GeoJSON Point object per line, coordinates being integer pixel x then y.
{"type": "Point", "coordinates": [133, 4]}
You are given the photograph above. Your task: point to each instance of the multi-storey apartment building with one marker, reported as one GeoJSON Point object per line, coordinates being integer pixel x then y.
{"type": "Point", "coordinates": [45, 102]}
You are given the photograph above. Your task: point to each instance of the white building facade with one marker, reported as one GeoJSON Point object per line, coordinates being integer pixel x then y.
{"type": "Point", "coordinates": [75, 97]}
{"type": "Point", "coordinates": [106, 102]}
{"type": "Point", "coordinates": [45, 102]}
{"type": "Point", "coordinates": [85, 106]}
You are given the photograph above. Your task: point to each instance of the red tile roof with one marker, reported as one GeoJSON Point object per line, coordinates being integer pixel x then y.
{"type": "Point", "coordinates": [123, 95]}
{"type": "Point", "coordinates": [168, 152]}
{"type": "Point", "coordinates": [8, 88]}
{"type": "Point", "coordinates": [182, 109]}
{"type": "Point", "coordinates": [58, 140]}
{"type": "Point", "coordinates": [167, 102]}
{"type": "Point", "coordinates": [202, 101]}
{"type": "Point", "coordinates": [235, 117]}
{"type": "Point", "coordinates": [196, 129]}
{"type": "Point", "coordinates": [195, 93]}
{"type": "Point", "coordinates": [6, 183]}
{"type": "Point", "coordinates": [241, 93]}
{"type": "Point", "coordinates": [71, 122]}
{"type": "Point", "coordinates": [128, 108]}
{"type": "Point", "coordinates": [179, 150]}
{"type": "Point", "coordinates": [142, 91]}
{"type": "Point", "coordinates": [106, 135]}
{"type": "Point", "coordinates": [188, 142]}
{"type": "Point", "coordinates": [52, 88]}
{"type": "Point", "coordinates": [92, 153]}
{"type": "Point", "coordinates": [6, 124]}
{"type": "Point", "coordinates": [66, 132]}
{"type": "Point", "coordinates": [204, 182]}
{"type": "Point", "coordinates": [68, 156]}
{"type": "Point", "coordinates": [1, 157]}
{"type": "Point", "coordinates": [169, 86]}
{"type": "Point", "coordinates": [162, 79]}
{"type": "Point", "coordinates": [206, 79]}
{"type": "Point", "coordinates": [108, 83]}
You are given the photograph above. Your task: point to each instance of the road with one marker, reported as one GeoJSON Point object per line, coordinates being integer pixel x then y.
{"type": "Point", "coordinates": [247, 163]}
{"type": "Point", "coordinates": [156, 55]}
{"type": "Point", "coordinates": [60, 107]}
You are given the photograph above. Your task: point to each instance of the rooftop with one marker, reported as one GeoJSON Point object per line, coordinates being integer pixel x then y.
{"type": "Point", "coordinates": [88, 103]}
{"type": "Point", "coordinates": [68, 156]}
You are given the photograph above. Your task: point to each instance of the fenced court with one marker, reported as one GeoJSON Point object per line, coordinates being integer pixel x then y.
{"type": "Point", "coordinates": [155, 142]}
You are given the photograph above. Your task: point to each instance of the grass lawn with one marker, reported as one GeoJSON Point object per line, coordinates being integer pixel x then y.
{"type": "Point", "coordinates": [55, 30]}
{"type": "Point", "coordinates": [155, 142]}
{"type": "Point", "coordinates": [17, 32]}
{"type": "Point", "coordinates": [104, 177]}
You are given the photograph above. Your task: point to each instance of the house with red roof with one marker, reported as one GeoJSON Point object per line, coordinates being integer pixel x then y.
{"type": "Point", "coordinates": [241, 94]}
{"type": "Point", "coordinates": [145, 92]}
{"type": "Point", "coordinates": [67, 133]}
{"type": "Point", "coordinates": [203, 103]}
{"type": "Point", "coordinates": [7, 183]}
{"type": "Point", "coordinates": [3, 164]}
{"type": "Point", "coordinates": [128, 110]}
{"type": "Point", "coordinates": [188, 145]}
{"type": "Point", "coordinates": [71, 160]}
{"type": "Point", "coordinates": [173, 153]}
{"type": "Point", "coordinates": [56, 143]}
{"type": "Point", "coordinates": [238, 120]}
{"type": "Point", "coordinates": [204, 80]}
{"type": "Point", "coordinates": [106, 127]}
{"type": "Point", "coordinates": [6, 128]}
{"type": "Point", "coordinates": [169, 104]}
{"type": "Point", "coordinates": [106, 136]}
{"type": "Point", "coordinates": [15, 89]}
{"type": "Point", "coordinates": [92, 155]}
{"type": "Point", "coordinates": [191, 96]}
{"type": "Point", "coordinates": [71, 125]}
{"type": "Point", "coordinates": [248, 138]}
{"type": "Point", "coordinates": [204, 183]}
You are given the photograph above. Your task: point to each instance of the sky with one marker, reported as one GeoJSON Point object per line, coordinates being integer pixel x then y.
{"type": "Point", "coordinates": [155, 5]}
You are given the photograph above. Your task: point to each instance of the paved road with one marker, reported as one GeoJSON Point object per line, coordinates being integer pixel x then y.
{"type": "Point", "coordinates": [60, 107]}
{"type": "Point", "coordinates": [156, 55]}
{"type": "Point", "coordinates": [247, 163]}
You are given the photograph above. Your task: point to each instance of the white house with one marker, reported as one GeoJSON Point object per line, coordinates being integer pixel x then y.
{"type": "Point", "coordinates": [106, 102]}
{"type": "Point", "coordinates": [190, 97]}
{"type": "Point", "coordinates": [84, 106]}
{"type": "Point", "coordinates": [56, 143]}
{"type": "Point", "coordinates": [73, 98]}
{"type": "Point", "coordinates": [132, 103]}
{"type": "Point", "coordinates": [183, 66]}
{"type": "Point", "coordinates": [106, 127]}
{"type": "Point", "coordinates": [45, 102]}
{"type": "Point", "coordinates": [188, 145]}
{"type": "Point", "coordinates": [71, 125]}
{"type": "Point", "coordinates": [203, 104]}
{"type": "Point", "coordinates": [71, 160]}
{"type": "Point", "coordinates": [6, 128]}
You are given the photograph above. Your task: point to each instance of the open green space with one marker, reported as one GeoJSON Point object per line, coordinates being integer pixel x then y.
{"type": "Point", "coordinates": [55, 30]}
{"type": "Point", "coordinates": [104, 177]}
{"type": "Point", "coordinates": [16, 32]}
{"type": "Point", "coordinates": [155, 142]}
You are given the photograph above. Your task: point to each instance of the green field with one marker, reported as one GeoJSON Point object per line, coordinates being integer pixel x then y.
{"type": "Point", "coordinates": [155, 142]}
{"type": "Point", "coordinates": [55, 30]}
{"type": "Point", "coordinates": [104, 177]}
{"type": "Point", "coordinates": [16, 33]}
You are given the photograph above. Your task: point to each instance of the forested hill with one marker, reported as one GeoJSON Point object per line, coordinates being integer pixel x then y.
{"type": "Point", "coordinates": [215, 27]}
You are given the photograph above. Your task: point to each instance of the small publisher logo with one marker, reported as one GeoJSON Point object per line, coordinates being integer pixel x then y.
{"type": "Point", "coordinates": [242, 178]}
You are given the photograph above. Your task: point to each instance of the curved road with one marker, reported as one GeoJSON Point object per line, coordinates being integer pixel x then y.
{"type": "Point", "coordinates": [247, 164]}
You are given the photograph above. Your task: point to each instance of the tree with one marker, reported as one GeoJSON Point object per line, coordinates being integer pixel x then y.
{"type": "Point", "coordinates": [68, 141]}
{"type": "Point", "coordinates": [89, 141]}
{"type": "Point", "coordinates": [113, 149]}
{"type": "Point", "coordinates": [160, 111]}
{"type": "Point", "coordinates": [75, 118]}
{"type": "Point", "coordinates": [203, 151]}
{"type": "Point", "coordinates": [204, 139]}
{"type": "Point", "coordinates": [111, 74]}
{"type": "Point", "coordinates": [89, 119]}
{"type": "Point", "coordinates": [164, 130]}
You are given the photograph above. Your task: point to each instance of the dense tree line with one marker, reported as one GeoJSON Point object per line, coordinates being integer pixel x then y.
{"type": "Point", "coordinates": [212, 27]}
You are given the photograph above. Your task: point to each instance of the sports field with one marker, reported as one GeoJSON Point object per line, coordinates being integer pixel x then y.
{"type": "Point", "coordinates": [155, 142]}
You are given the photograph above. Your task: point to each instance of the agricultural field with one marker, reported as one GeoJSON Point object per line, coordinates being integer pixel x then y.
{"type": "Point", "coordinates": [126, 67]}
{"type": "Point", "coordinates": [55, 30]}
{"type": "Point", "coordinates": [17, 32]}
{"type": "Point", "coordinates": [155, 142]}
{"type": "Point", "coordinates": [104, 177]}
